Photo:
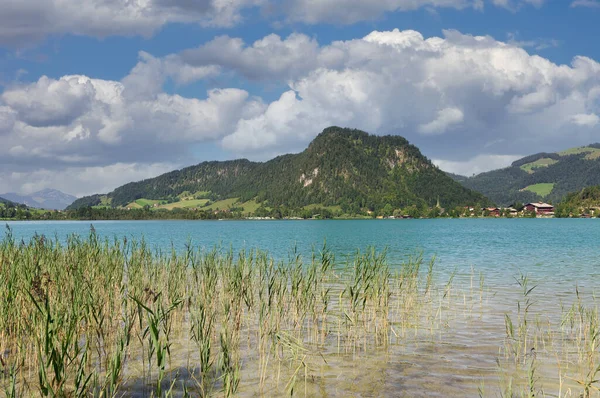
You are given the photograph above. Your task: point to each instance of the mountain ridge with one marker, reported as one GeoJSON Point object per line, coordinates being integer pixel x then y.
{"type": "Point", "coordinates": [6, 201]}
{"type": "Point", "coordinates": [543, 176]}
{"type": "Point", "coordinates": [340, 167]}
{"type": "Point", "coordinates": [50, 199]}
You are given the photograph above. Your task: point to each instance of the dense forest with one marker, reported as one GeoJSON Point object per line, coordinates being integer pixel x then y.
{"type": "Point", "coordinates": [341, 167]}
{"type": "Point", "coordinates": [564, 172]}
{"type": "Point", "coordinates": [14, 211]}
{"type": "Point", "coordinates": [582, 203]}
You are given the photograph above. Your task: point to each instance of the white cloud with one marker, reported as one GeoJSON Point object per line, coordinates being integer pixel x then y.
{"type": "Point", "coordinates": [267, 58]}
{"type": "Point", "coordinates": [586, 3]}
{"type": "Point", "coordinates": [148, 77]}
{"type": "Point", "coordinates": [584, 119]}
{"type": "Point", "coordinates": [351, 11]}
{"type": "Point", "coordinates": [475, 90]}
{"type": "Point", "coordinates": [7, 119]}
{"type": "Point", "coordinates": [514, 5]}
{"type": "Point", "coordinates": [80, 121]}
{"type": "Point", "coordinates": [445, 119]}
{"type": "Point", "coordinates": [476, 165]}
{"type": "Point", "coordinates": [540, 99]}
{"type": "Point", "coordinates": [50, 102]}
{"type": "Point", "coordinates": [80, 181]}
{"type": "Point", "coordinates": [538, 44]}
{"type": "Point", "coordinates": [24, 21]}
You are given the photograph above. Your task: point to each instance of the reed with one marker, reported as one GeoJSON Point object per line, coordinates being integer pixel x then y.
{"type": "Point", "coordinates": [108, 318]}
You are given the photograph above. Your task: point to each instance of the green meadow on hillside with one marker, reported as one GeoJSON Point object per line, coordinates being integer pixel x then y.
{"type": "Point", "coordinates": [544, 162]}
{"type": "Point", "coordinates": [542, 189]}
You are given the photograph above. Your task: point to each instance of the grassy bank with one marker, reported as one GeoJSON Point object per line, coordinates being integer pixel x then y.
{"type": "Point", "coordinates": [114, 318]}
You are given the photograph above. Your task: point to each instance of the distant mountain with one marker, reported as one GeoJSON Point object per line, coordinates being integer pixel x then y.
{"type": "Point", "coordinates": [457, 177]}
{"type": "Point", "coordinates": [45, 199]}
{"type": "Point", "coordinates": [540, 177]}
{"type": "Point", "coordinates": [6, 201]}
{"type": "Point", "coordinates": [341, 167]}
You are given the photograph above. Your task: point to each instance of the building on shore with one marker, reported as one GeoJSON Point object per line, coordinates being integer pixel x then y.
{"type": "Point", "coordinates": [543, 209]}
{"type": "Point", "coordinates": [492, 211]}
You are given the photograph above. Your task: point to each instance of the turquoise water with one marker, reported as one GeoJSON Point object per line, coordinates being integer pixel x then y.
{"type": "Point", "coordinates": [554, 251]}
{"type": "Point", "coordinates": [466, 347]}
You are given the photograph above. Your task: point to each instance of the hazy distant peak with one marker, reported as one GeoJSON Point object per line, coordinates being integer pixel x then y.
{"type": "Point", "coordinates": [47, 198]}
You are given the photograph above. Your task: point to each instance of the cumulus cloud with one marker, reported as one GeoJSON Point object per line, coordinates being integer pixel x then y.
{"type": "Point", "coordinates": [446, 118]}
{"type": "Point", "coordinates": [148, 77]}
{"type": "Point", "coordinates": [80, 181]}
{"type": "Point", "coordinates": [22, 22]}
{"type": "Point", "coordinates": [110, 116]}
{"type": "Point", "coordinates": [583, 119]}
{"type": "Point", "coordinates": [50, 102]}
{"type": "Point", "coordinates": [267, 58]}
{"type": "Point", "coordinates": [7, 119]}
{"type": "Point", "coordinates": [79, 122]}
{"type": "Point", "coordinates": [454, 94]}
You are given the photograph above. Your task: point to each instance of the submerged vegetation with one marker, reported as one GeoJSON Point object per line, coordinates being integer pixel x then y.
{"type": "Point", "coordinates": [93, 317]}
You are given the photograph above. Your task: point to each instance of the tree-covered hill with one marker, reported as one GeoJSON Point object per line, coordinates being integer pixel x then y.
{"type": "Point", "coordinates": [583, 202]}
{"type": "Point", "coordinates": [340, 167]}
{"type": "Point", "coordinates": [12, 210]}
{"type": "Point", "coordinates": [540, 177]}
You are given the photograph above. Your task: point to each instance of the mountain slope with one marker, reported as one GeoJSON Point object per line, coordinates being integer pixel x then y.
{"type": "Point", "coordinates": [6, 202]}
{"type": "Point", "coordinates": [584, 202]}
{"type": "Point", "coordinates": [344, 167]}
{"type": "Point", "coordinates": [51, 199]}
{"type": "Point", "coordinates": [539, 177]}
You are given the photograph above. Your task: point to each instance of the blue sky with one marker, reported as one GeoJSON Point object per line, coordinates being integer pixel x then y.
{"type": "Point", "coordinates": [94, 94]}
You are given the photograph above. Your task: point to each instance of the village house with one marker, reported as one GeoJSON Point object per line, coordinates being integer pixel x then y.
{"type": "Point", "coordinates": [512, 211]}
{"type": "Point", "coordinates": [540, 208]}
{"type": "Point", "coordinates": [493, 211]}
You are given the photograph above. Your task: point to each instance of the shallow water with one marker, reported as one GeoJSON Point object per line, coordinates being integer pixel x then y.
{"type": "Point", "coordinates": [462, 352]}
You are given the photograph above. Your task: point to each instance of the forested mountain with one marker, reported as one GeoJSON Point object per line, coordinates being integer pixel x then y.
{"type": "Point", "coordinates": [343, 167]}
{"type": "Point", "coordinates": [540, 177]}
{"type": "Point", "coordinates": [50, 199]}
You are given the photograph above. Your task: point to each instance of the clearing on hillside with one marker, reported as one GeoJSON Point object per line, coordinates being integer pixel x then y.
{"type": "Point", "coordinates": [542, 189]}
{"type": "Point", "coordinates": [185, 204]}
{"type": "Point", "coordinates": [250, 206]}
{"type": "Point", "coordinates": [222, 204]}
{"type": "Point", "coordinates": [543, 162]}
{"type": "Point", "coordinates": [578, 150]}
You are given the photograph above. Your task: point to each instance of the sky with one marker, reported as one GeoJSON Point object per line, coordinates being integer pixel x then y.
{"type": "Point", "coordinates": [98, 93]}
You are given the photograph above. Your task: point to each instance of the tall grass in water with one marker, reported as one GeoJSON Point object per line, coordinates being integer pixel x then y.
{"type": "Point", "coordinates": [111, 318]}
{"type": "Point", "coordinates": [103, 318]}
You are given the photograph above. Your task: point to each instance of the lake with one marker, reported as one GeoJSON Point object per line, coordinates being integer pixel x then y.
{"type": "Point", "coordinates": [462, 344]}
{"type": "Point", "coordinates": [552, 250]}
